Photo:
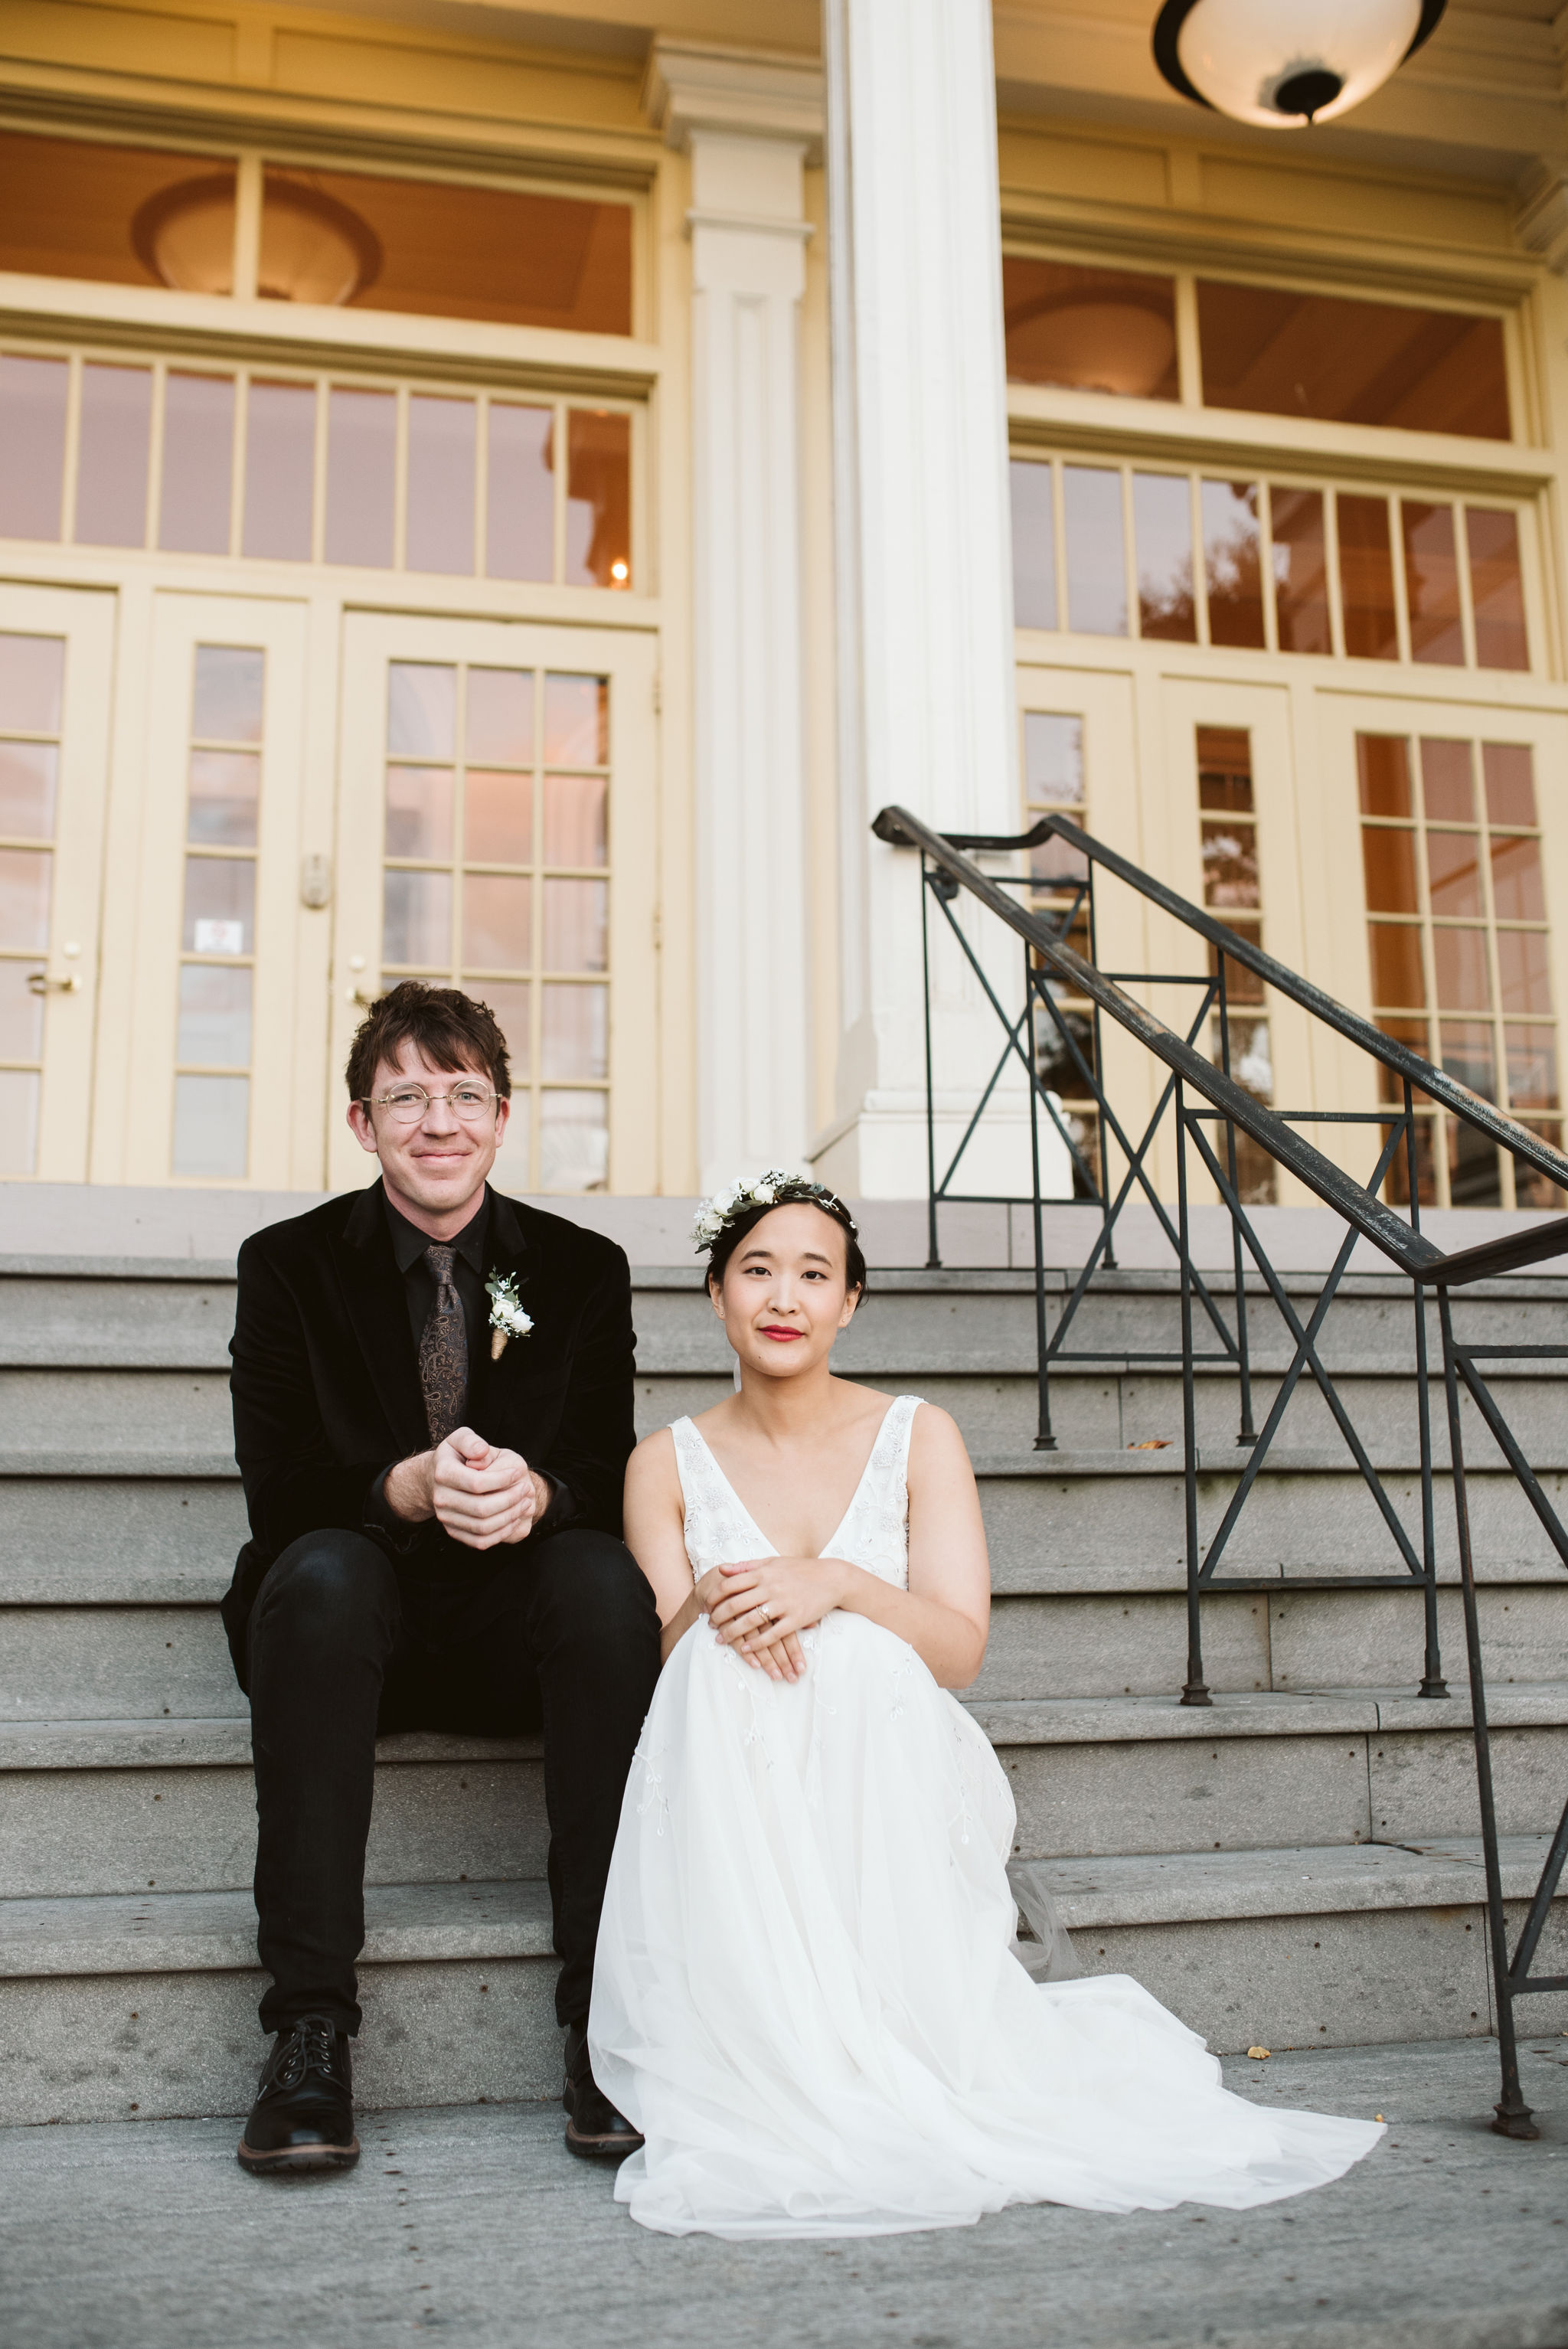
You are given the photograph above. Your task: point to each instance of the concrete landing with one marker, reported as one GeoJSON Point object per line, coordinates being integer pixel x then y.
{"type": "Point", "coordinates": [472, 2222]}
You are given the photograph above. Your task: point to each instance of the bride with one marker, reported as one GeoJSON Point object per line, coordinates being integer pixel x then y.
{"type": "Point", "coordinates": [808, 1995]}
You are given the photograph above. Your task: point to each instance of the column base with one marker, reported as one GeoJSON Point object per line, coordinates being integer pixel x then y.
{"type": "Point", "coordinates": [879, 1151]}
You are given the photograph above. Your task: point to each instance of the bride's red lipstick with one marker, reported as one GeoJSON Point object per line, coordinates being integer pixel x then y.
{"type": "Point", "coordinates": [781, 1330]}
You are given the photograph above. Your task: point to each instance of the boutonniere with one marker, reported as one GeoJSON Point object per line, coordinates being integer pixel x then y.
{"type": "Point", "coordinates": [508, 1319]}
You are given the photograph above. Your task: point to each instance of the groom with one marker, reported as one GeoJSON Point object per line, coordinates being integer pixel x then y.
{"type": "Point", "coordinates": [435, 1508]}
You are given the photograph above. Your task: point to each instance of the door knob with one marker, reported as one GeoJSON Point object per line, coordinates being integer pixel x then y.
{"type": "Point", "coordinates": [40, 983]}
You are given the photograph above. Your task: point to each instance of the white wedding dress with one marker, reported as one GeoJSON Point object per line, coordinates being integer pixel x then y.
{"type": "Point", "coordinates": [806, 1994]}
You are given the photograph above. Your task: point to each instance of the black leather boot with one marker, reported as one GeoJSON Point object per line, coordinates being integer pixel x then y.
{"type": "Point", "coordinates": [303, 2117]}
{"type": "Point", "coordinates": [595, 2131]}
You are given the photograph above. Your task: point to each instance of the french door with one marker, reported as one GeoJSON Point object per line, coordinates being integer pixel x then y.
{"type": "Point", "coordinates": [498, 832]}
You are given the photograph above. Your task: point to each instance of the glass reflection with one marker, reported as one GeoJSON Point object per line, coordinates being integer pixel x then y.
{"type": "Point", "coordinates": [574, 1140]}
{"type": "Point", "coordinates": [1300, 571]}
{"type": "Point", "coordinates": [280, 470]}
{"type": "Point", "coordinates": [211, 1122]}
{"type": "Point", "coordinates": [1458, 967]}
{"type": "Point", "coordinates": [1447, 783]}
{"type": "Point", "coordinates": [1453, 873]}
{"type": "Point", "coordinates": [598, 498]}
{"type": "Point", "coordinates": [21, 1012]}
{"type": "Point", "coordinates": [25, 876]}
{"type": "Point", "coordinates": [1034, 546]}
{"type": "Point", "coordinates": [498, 817]}
{"type": "Point", "coordinates": [574, 819]}
{"type": "Point", "coordinates": [1388, 861]}
{"type": "Point", "coordinates": [1497, 588]}
{"type": "Point", "coordinates": [419, 811]}
{"type": "Point", "coordinates": [1162, 535]}
{"type": "Point", "coordinates": [520, 534]}
{"type": "Point", "coordinates": [113, 447]}
{"type": "Point", "coordinates": [500, 716]}
{"type": "Point", "coordinates": [197, 462]}
{"type": "Point", "coordinates": [27, 774]}
{"type": "Point", "coordinates": [18, 1121]}
{"type": "Point", "coordinates": [1516, 889]}
{"type": "Point", "coordinates": [1090, 329]}
{"type": "Point", "coordinates": [1432, 584]}
{"type": "Point", "coordinates": [442, 439]}
{"type": "Point", "coordinates": [361, 470]}
{"type": "Point", "coordinates": [421, 710]}
{"type": "Point", "coordinates": [576, 925]}
{"type": "Point", "coordinates": [496, 919]}
{"type": "Point", "coordinates": [510, 999]}
{"type": "Point", "coordinates": [1509, 770]}
{"type": "Point", "coordinates": [1233, 563]}
{"type": "Point", "coordinates": [417, 919]}
{"type": "Point", "coordinates": [1383, 774]}
{"type": "Point", "coordinates": [1531, 1054]}
{"type": "Point", "coordinates": [33, 435]}
{"type": "Point", "coordinates": [1521, 970]}
{"type": "Point", "coordinates": [214, 1016]}
{"type": "Point", "coordinates": [1097, 570]}
{"type": "Point", "coordinates": [1399, 981]}
{"type": "Point", "coordinates": [576, 721]}
{"type": "Point", "coordinates": [224, 790]}
{"type": "Point", "coordinates": [227, 702]}
{"type": "Point", "coordinates": [32, 680]}
{"type": "Point", "coordinates": [220, 905]}
{"type": "Point", "coordinates": [1367, 579]}
{"type": "Point", "coordinates": [575, 1040]}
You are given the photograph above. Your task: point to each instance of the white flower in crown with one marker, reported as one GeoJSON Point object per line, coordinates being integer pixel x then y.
{"type": "Point", "coordinates": [766, 1190]}
{"type": "Point", "coordinates": [507, 1319]}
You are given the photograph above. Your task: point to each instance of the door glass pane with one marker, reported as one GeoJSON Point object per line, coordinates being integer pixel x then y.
{"type": "Point", "coordinates": [198, 461]}
{"type": "Point", "coordinates": [1458, 964]}
{"type": "Point", "coordinates": [1300, 571]}
{"type": "Point", "coordinates": [25, 875]}
{"type": "Point", "coordinates": [598, 499]}
{"type": "Point", "coordinates": [419, 811]}
{"type": "Point", "coordinates": [225, 789]}
{"type": "Point", "coordinates": [227, 704]}
{"type": "Point", "coordinates": [440, 527]}
{"type": "Point", "coordinates": [416, 921]}
{"type": "Point", "coordinates": [361, 467]}
{"type": "Point", "coordinates": [212, 1120]}
{"type": "Point", "coordinates": [1516, 891]}
{"type": "Point", "coordinates": [1397, 980]}
{"type": "Point", "coordinates": [113, 447]}
{"type": "Point", "coordinates": [576, 1032]}
{"type": "Point", "coordinates": [1388, 858]}
{"type": "Point", "coordinates": [1034, 546]}
{"type": "Point", "coordinates": [421, 710]}
{"type": "Point", "coordinates": [1367, 579]}
{"type": "Point", "coordinates": [1521, 970]}
{"type": "Point", "coordinates": [1474, 1180]}
{"type": "Point", "coordinates": [509, 999]}
{"type": "Point", "coordinates": [1497, 588]}
{"type": "Point", "coordinates": [33, 436]}
{"type": "Point", "coordinates": [576, 721]}
{"type": "Point", "coordinates": [500, 716]}
{"type": "Point", "coordinates": [1432, 584]}
{"type": "Point", "coordinates": [1230, 865]}
{"type": "Point", "coordinates": [1383, 774]}
{"type": "Point", "coordinates": [220, 905]}
{"type": "Point", "coordinates": [1453, 869]}
{"type": "Point", "coordinates": [520, 535]}
{"type": "Point", "coordinates": [1467, 1055]}
{"type": "Point", "coordinates": [27, 775]}
{"type": "Point", "coordinates": [214, 1016]}
{"type": "Point", "coordinates": [21, 1012]}
{"type": "Point", "coordinates": [496, 917]}
{"type": "Point", "coordinates": [1097, 574]}
{"type": "Point", "coordinates": [1162, 535]}
{"type": "Point", "coordinates": [575, 926]}
{"type": "Point", "coordinates": [18, 1121]}
{"type": "Point", "coordinates": [1510, 772]}
{"type": "Point", "coordinates": [280, 469]}
{"type": "Point", "coordinates": [498, 817]}
{"type": "Point", "coordinates": [1531, 1056]}
{"type": "Point", "coordinates": [574, 1140]}
{"type": "Point", "coordinates": [574, 811]}
{"type": "Point", "coordinates": [1447, 787]}
{"type": "Point", "coordinates": [1233, 563]}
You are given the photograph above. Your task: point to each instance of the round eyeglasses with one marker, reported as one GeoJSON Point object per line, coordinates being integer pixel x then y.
{"type": "Point", "coordinates": [407, 1104]}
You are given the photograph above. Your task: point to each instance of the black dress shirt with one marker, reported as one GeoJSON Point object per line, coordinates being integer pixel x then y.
{"type": "Point", "coordinates": [410, 1245]}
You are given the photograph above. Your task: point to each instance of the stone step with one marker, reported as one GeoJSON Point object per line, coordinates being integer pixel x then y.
{"type": "Point", "coordinates": [146, 1661]}
{"type": "Point", "coordinates": [117, 1807]}
{"type": "Point", "coordinates": [121, 2007]}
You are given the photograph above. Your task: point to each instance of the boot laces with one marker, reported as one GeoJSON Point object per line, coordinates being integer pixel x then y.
{"type": "Point", "coordinates": [311, 2045]}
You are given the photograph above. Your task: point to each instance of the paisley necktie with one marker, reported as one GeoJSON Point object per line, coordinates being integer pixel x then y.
{"type": "Point", "coordinates": [444, 1350]}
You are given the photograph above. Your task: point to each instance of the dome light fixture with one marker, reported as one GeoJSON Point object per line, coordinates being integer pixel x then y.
{"type": "Point", "coordinates": [1286, 63]}
{"type": "Point", "coordinates": [313, 249]}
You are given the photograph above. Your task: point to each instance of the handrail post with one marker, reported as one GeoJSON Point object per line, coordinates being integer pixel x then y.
{"type": "Point", "coordinates": [1196, 1691]}
{"type": "Point", "coordinates": [1432, 1680]}
{"type": "Point", "coordinates": [1512, 2113]}
{"type": "Point", "coordinates": [1044, 1438]}
{"type": "Point", "coordinates": [1246, 1433]}
{"type": "Point", "coordinates": [933, 1253]}
{"type": "Point", "coordinates": [1108, 1260]}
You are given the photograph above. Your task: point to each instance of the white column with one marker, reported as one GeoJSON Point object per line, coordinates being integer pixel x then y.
{"type": "Point", "coordinates": [749, 123]}
{"type": "Point", "coordinates": [925, 595]}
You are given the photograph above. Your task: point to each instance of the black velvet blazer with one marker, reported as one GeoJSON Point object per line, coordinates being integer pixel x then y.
{"type": "Point", "coordinates": [325, 1380]}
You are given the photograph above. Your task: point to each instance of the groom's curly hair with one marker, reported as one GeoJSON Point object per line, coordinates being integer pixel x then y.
{"type": "Point", "coordinates": [808, 1194]}
{"type": "Point", "coordinates": [451, 1029]}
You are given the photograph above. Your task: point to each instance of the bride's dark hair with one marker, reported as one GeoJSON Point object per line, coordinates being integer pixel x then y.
{"type": "Point", "coordinates": [808, 1194]}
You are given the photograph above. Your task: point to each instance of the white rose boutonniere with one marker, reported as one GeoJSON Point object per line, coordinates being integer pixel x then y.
{"type": "Point", "coordinates": [508, 1319]}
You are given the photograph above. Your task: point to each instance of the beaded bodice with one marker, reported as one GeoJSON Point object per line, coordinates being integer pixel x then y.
{"type": "Point", "coordinates": [873, 1532]}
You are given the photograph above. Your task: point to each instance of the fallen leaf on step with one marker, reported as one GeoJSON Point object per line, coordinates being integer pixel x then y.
{"type": "Point", "coordinates": [1153, 1443]}
{"type": "Point", "coordinates": [1376, 2116]}
{"type": "Point", "coordinates": [1262, 2052]}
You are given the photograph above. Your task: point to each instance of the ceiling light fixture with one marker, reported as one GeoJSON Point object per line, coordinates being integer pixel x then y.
{"type": "Point", "coordinates": [1286, 63]}
{"type": "Point", "coordinates": [313, 249]}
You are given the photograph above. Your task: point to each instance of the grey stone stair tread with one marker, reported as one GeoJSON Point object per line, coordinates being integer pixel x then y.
{"type": "Point", "coordinates": [1203, 1887]}
{"type": "Point", "coordinates": [213, 1269]}
{"type": "Point", "coordinates": [1130, 1720]}
{"type": "Point", "coordinates": [218, 1743]}
{"type": "Point", "coordinates": [66, 1460]}
{"type": "Point", "coordinates": [1305, 1460]}
{"type": "Point", "coordinates": [199, 1933]}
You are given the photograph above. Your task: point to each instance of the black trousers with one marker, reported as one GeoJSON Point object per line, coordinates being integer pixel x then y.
{"type": "Point", "coordinates": [560, 1635]}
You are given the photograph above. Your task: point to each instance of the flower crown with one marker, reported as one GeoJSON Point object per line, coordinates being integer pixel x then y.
{"type": "Point", "coordinates": [773, 1189]}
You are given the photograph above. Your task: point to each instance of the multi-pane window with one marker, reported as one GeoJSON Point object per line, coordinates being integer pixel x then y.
{"type": "Point", "coordinates": [218, 938]}
{"type": "Point", "coordinates": [1233, 888]}
{"type": "Point", "coordinates": [497, 880]}
{"type": "Point", "coordinates": [1054, 785]}
{"type": "Point", "coordinates": [32, 680]}
{"type": "Point", "coordinates": [297, 469]}
{"type": "Point", "coordinates": [1458, 949]}
{"type": "Point", "coordinates": [1266, 565]}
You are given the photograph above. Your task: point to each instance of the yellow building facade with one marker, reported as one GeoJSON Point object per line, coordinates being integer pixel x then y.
{"type": "Point", "coordinates": [434, 537]}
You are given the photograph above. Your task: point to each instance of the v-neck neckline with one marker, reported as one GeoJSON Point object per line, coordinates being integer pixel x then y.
{"type": "Point", "coordinates": [827, 1548]}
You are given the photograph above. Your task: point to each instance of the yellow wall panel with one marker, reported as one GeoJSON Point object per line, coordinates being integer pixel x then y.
{"type": "Point", "coordinates": [381, 73]}
{"type": "Point", "coordinates": [118, 40]}
{"type": "Point", "coordinates": [1097, 169]}
{"type": "Point", "coordinates": [1323, 200]}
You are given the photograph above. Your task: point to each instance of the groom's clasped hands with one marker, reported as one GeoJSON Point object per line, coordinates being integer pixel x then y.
{"type": "Point", "coordinates": [759, 1604]}
{"type": "Point", "coordinates": [482, 1494]}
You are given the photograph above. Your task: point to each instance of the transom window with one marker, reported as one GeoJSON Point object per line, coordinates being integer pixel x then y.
{"type": "Point", "coordinates": [497, 862]}
{"type": "Point", "coordinates": [32, 683]}
{"type": "Point", "coordinates": [297, 469]}
{"type": "Point", "coordinates": [1190, 558]}
{"type": "Point", "coordinates": [1458, 948]}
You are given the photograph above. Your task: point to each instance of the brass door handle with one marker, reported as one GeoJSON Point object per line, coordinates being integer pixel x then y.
{"type": "Point", "coordinates": [39, 983]}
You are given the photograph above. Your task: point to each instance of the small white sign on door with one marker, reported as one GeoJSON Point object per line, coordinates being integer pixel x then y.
{"type": "Point", "coordinates": [219, 938]}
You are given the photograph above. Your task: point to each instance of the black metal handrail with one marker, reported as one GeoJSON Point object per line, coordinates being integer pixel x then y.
{"type": "Point", "coordinates": [945, 869]}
